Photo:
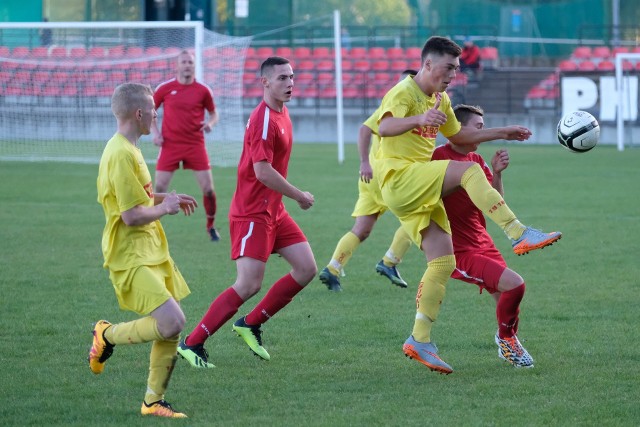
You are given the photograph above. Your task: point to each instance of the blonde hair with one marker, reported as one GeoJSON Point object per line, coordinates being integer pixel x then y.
{"type": "Point", "coordinates": [129, 97]}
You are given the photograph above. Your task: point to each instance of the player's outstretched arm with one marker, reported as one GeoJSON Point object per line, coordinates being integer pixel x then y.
{"type": "Point", "coordinates": [469, 135]}
{"type": "Point", "coordinates": [170, 204]}
{"type": "Point", "coordinates": [393, 126]}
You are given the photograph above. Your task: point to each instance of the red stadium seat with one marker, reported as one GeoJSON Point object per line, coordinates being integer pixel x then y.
{"type": "Point", "coordinates": [399, 65]}
{"type": "Point", "coordinates": [115, 52]}
{"type": "Point", "coordinates": [4, 51]}
{"type": "Point", "coordinates": [395, 53]}
{"type": "Point", "coordinates": [357, 53]}
{"type": "Point", "coordinates": [303, 79]}
{"type": "Point", "coordinates": [325, 79]}
{"type": "Point", "coordinates": [252, 65]}
{"type": "Point", "coordinates": [59, 52]}
{"type": "Point", "coordinates": [306, 65]}
{"type": "Point", "coordinates": [172, 50]}
{"type": "Point", "coordinates": [601, 52]}
{"type": "Point", "coordinates": [97, 52]}
{"type": "Point", "coordinates": [380, 65]}
{"type": "Point", "coordinates": [619, 49]}
{"type": "Point", "coordinates": [325, 65]}
{"type": "Point", "coordinates": [153, 51]}
{"type": "Point", "coordinates": [581, 52]}
{"type": "Point", "coordinates": [253, 91]}
{"type": "Point", "coordinates": [322, 52]}
{"type": "Point", "coordinates": [77, 52]}
{"type": "Point", "coordinates": [264, 52]}
{"type": "Point", "coordinates": [377, 53]}
{"type": "Point", "coordinates": [20, 52]}
{"type": "Point", "coordinates": [606, 65]}
{"type": "Point", "coordinates": [134, 52]}
{"type": "Point", "coordinates": [362, 65]}
{"type": "Point", "coordinates": [302, 52]}
{"type": "Point", "coordinates": [40, 52]}
{"type": "Point", "coordinates": [413, 53]}
{"type": "Point", "coordinates": [285, 52]}
{"type": "Point", "coordinates": [568, 65]}
{"type": "Point", "coordinates": [587, 65]}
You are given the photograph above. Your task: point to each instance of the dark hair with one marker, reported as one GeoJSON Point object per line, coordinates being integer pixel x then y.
{"type": "Point", "coordinates": [409, 71]}
{"type": "Point", "coordinates": [464, 112]}
{"type": "Point", "coordinates": [440, 46]}
{"type": "Point", "coordinates": [272, 61]}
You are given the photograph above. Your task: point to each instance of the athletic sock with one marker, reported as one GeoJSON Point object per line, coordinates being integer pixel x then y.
{"type": "Point", "coordinates": [161, 363]}
{"type": "Point", "coordinates": [210, 206]}
{"type": "Point", "coordinates": [430, 294]}
{"type": "Point", "coordinates": [398, 249]}
{"type": "Point", "coordinates": [280, 294]}
{"type": "Point", "coordinates": [134, 332]}
{"type": "Point", "coordinates": [341, 256]}
{"type": "Point", "coordinates": [489, 201]}
{"type": "Point", "coordinates": [220, 310]}
{"type": "Point", "coordinates": [507, 311]}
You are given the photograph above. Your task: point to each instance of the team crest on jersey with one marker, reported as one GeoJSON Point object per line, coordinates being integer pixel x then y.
{"type": "Point", "coordinates": [148, 188]}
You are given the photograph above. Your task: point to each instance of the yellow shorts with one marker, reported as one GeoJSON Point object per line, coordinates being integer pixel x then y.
{"type": "Point", "coordinates": [414, 195]}
{"type": "Point", "coordinates": [143, 289]}
{"type": "Point", "coordinates": [370, 200]}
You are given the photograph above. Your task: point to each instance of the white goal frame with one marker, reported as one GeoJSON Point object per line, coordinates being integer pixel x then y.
{"type": "Point", "coordinates": [619, 62]}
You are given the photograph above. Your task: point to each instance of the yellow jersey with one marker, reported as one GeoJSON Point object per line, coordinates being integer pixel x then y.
{"type": "Point", "coordinates": [406, 99]}
{"type": "Point", "coordinates": [123, 183]}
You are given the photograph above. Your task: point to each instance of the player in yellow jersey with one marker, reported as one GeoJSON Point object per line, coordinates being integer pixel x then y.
{"type": "Point", "coordinates": [412, 185]}
{"type": "Point", "coordinates": [366, 212]}
{"type": "Point", "coordinates": [135, 249]}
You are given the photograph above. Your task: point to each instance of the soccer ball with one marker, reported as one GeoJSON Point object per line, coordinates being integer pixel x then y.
{"type": "Point", "coordinates": [578, 131]}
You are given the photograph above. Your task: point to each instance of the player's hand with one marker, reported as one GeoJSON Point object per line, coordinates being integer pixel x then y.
{"type": "Point", "coordinates": [434, 117]}
{"type": "Point", "coordinates": [188, 204]}
{"type": "Point", "coordinates": [171, 203]}
{"type": "Point", "coordinates": [366, 173]}
{"type": "Point", "coordinates": [206, 127]}
{"type": "Point", "coordinates": [306, 200]}
{"type": "Point", "coordinates": [158, 140]}
{"type": "Point", "coordinates": [517, 133]}
{"type": "Point", "coordinates": [500, 161]}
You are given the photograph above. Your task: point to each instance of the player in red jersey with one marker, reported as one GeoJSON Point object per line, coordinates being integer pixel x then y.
{"type": "Point", "coordinates": [182, 138]}
{"type": "Point", "coordinates": [259, 223]}
{"type": "Point", "coordinates": [478, 261]}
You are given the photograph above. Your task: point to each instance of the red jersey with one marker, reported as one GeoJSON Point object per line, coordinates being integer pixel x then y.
{"type": "Point", "coordinates": [468, 225]}
{"type": "Point", "coordinates": [268, 137]}
{"type": "Point", "coordinates": [184, 107]}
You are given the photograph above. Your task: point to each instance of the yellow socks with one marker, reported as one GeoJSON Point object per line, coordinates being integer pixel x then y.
{"type": "Point", "coordinates": [346, 246]}
{"type": "Point", "coordinates": [489, 201]}
{"type": "Point", "coordinates": [430, 295]}
{"type": "Point", "coordinates": [161, 362]}
{"type": "Point", "coordinates": [399, 247]}
{"type": "Point", "coordinates": [134, 332]}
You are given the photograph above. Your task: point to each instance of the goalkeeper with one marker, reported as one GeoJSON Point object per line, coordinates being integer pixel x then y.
{"type": "Point", "coordinates": [182, 138]}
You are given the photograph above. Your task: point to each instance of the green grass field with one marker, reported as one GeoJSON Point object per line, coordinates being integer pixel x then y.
{"type": "Point", "coordinates": [336, 359]}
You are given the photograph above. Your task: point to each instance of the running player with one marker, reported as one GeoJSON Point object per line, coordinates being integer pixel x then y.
{"type": "Point", "coordinates": [478, 261]}
{"type": "Point", "coordinates": [135, 249]}
{"type": "Point", "coordinates": [411, 115]}
{"type": "Point", "coordinates": [182, 138]}
{"type": "Point", "coordinates": [259, 223]}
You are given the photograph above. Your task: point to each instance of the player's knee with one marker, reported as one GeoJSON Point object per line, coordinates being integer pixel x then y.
{"type": "Point", "coordinates": [443, 265]}
{"type": "Point", "coordinates": [172, 325]}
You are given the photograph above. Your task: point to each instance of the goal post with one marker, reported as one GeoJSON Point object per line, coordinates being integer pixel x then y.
{"type": "Point", "coordinates": [55, 98]}
{"type": "Point", "coordinates": [624, 107]}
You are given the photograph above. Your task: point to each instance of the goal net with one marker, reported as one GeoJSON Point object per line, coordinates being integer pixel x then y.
{"type": "Point", "coordinates": [55, 98]}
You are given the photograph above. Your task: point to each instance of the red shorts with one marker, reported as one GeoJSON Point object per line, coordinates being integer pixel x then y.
{"type": "Point", "coordinates": [482, 268]}
{"type": "Point", "coordinates": [259, 240]}
{"type": "Point", "coordinates": [192, 156]}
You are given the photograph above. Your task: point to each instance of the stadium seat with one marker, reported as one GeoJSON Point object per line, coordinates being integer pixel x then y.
{"type": "Point", "coordinates": [489, 57]}
{"type": "Point", "coordinates": [303, 79]}
{"type": "Point", "coordinates": [395, 53]}
{"type": "Point", "coordinates": [39, 52]}
{"type": "Point", "coordinates": [567, 65]}
{"type": "Point", "coordinates": [264, 52]}
{"type": "Point", "coordinates": [40, 77]}
{"type": "Point", "coordinates": [380, 65]}
{"type": "Point", "coordinates": [4, 51]}
{"type": "Point", "coordinates": [619, 49]}
{"type": "Point", "coordinates": [325, 65]}
{"type": "Point", "coordinates": [20, 52]}
{"type": "Point", "coordinates": [302, 52]}
{"type": "Point", "coordinates": [97, 52]}
{"type": "Point", "coordinates": [586, 65]}
{"type": "Point", "coordinates": [600, 52]}
{"type": "Point", "coordinates": [606, 65]}
{"type": "Point", "coordinates": [350, 92]}
{"type": "Point", "coordinates": [153, 51]}
{"type": "Point", "coordinates": [347, 65]}
{"type": "Point", "coordinates": [362, 65]}
{"type": "Point", "coordinates": [357, 53]}
{"type": "Point", "coordinates": [535, 97]}
{"type": "Point", "coordinates": [398, 65]}
{"type": "Point", "coordinates": [77, 52]}
{"type": "Point", "coordinates": [635, 49]}
{"type": "Point", "coordinates": [627, 65]}
{"type": "Point", "coordinates": [383, 79]}
{"type": "Point", "coordinates": [251, 52]}
{"type": "Point", "coordinates": [306, 65]}
{"type": "Point", "coordinates": [321, 52]}
{"type": "Point", "coordinates": [328, 93]}
{"type": "Point", "coordinates": [251, 65]}
{"type": "Point", "coordinates": [581, 52]}
{"type": "Point", "coordinates": [5, 77]}
{"type": "Point", "coordinates": [285, 52]}
{"type": "Point", "coordinates": [172, 50]}
{"type": "Point", "coordinates": [325, 79]}
{"type": "Point", "coordinates": [253, 91]}
{"type": "Point", "coordinates": [133, 52]}
{"type": "Point", "coordinates": [58, 52]}
{"type": "Point", "coordinates": [413, 53]}
{"type": "Point", "coordinates": [377, 53]}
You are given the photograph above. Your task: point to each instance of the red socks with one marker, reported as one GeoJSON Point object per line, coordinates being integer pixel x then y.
{"type": "Point", "coordinates": [221, 310]}
{"type": "Point", "coordinates": [280, 294]}
{"type": "Point", "coordinates": [210, 207]}
{"type": "Point", "coordinates": [507, 311]}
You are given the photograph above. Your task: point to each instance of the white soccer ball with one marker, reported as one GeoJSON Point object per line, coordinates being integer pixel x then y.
{"type": "Point", "coordinates": [578, 131]}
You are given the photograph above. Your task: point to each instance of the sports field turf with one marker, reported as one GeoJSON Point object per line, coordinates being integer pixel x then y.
{"type": "Point", "coordinates": [336, 359]}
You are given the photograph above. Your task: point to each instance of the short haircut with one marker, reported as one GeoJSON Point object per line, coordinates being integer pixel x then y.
{"type": "Point", "coordinates": [409, 72]}
{"type": "Point", "coordinates": [271, 62]}
{"type": "Point", "coordinates": [464, 112]}
{"type": "Point", "coordinates": [128, 97]}
{"type": "Point", "coordinates": [440, 46]}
